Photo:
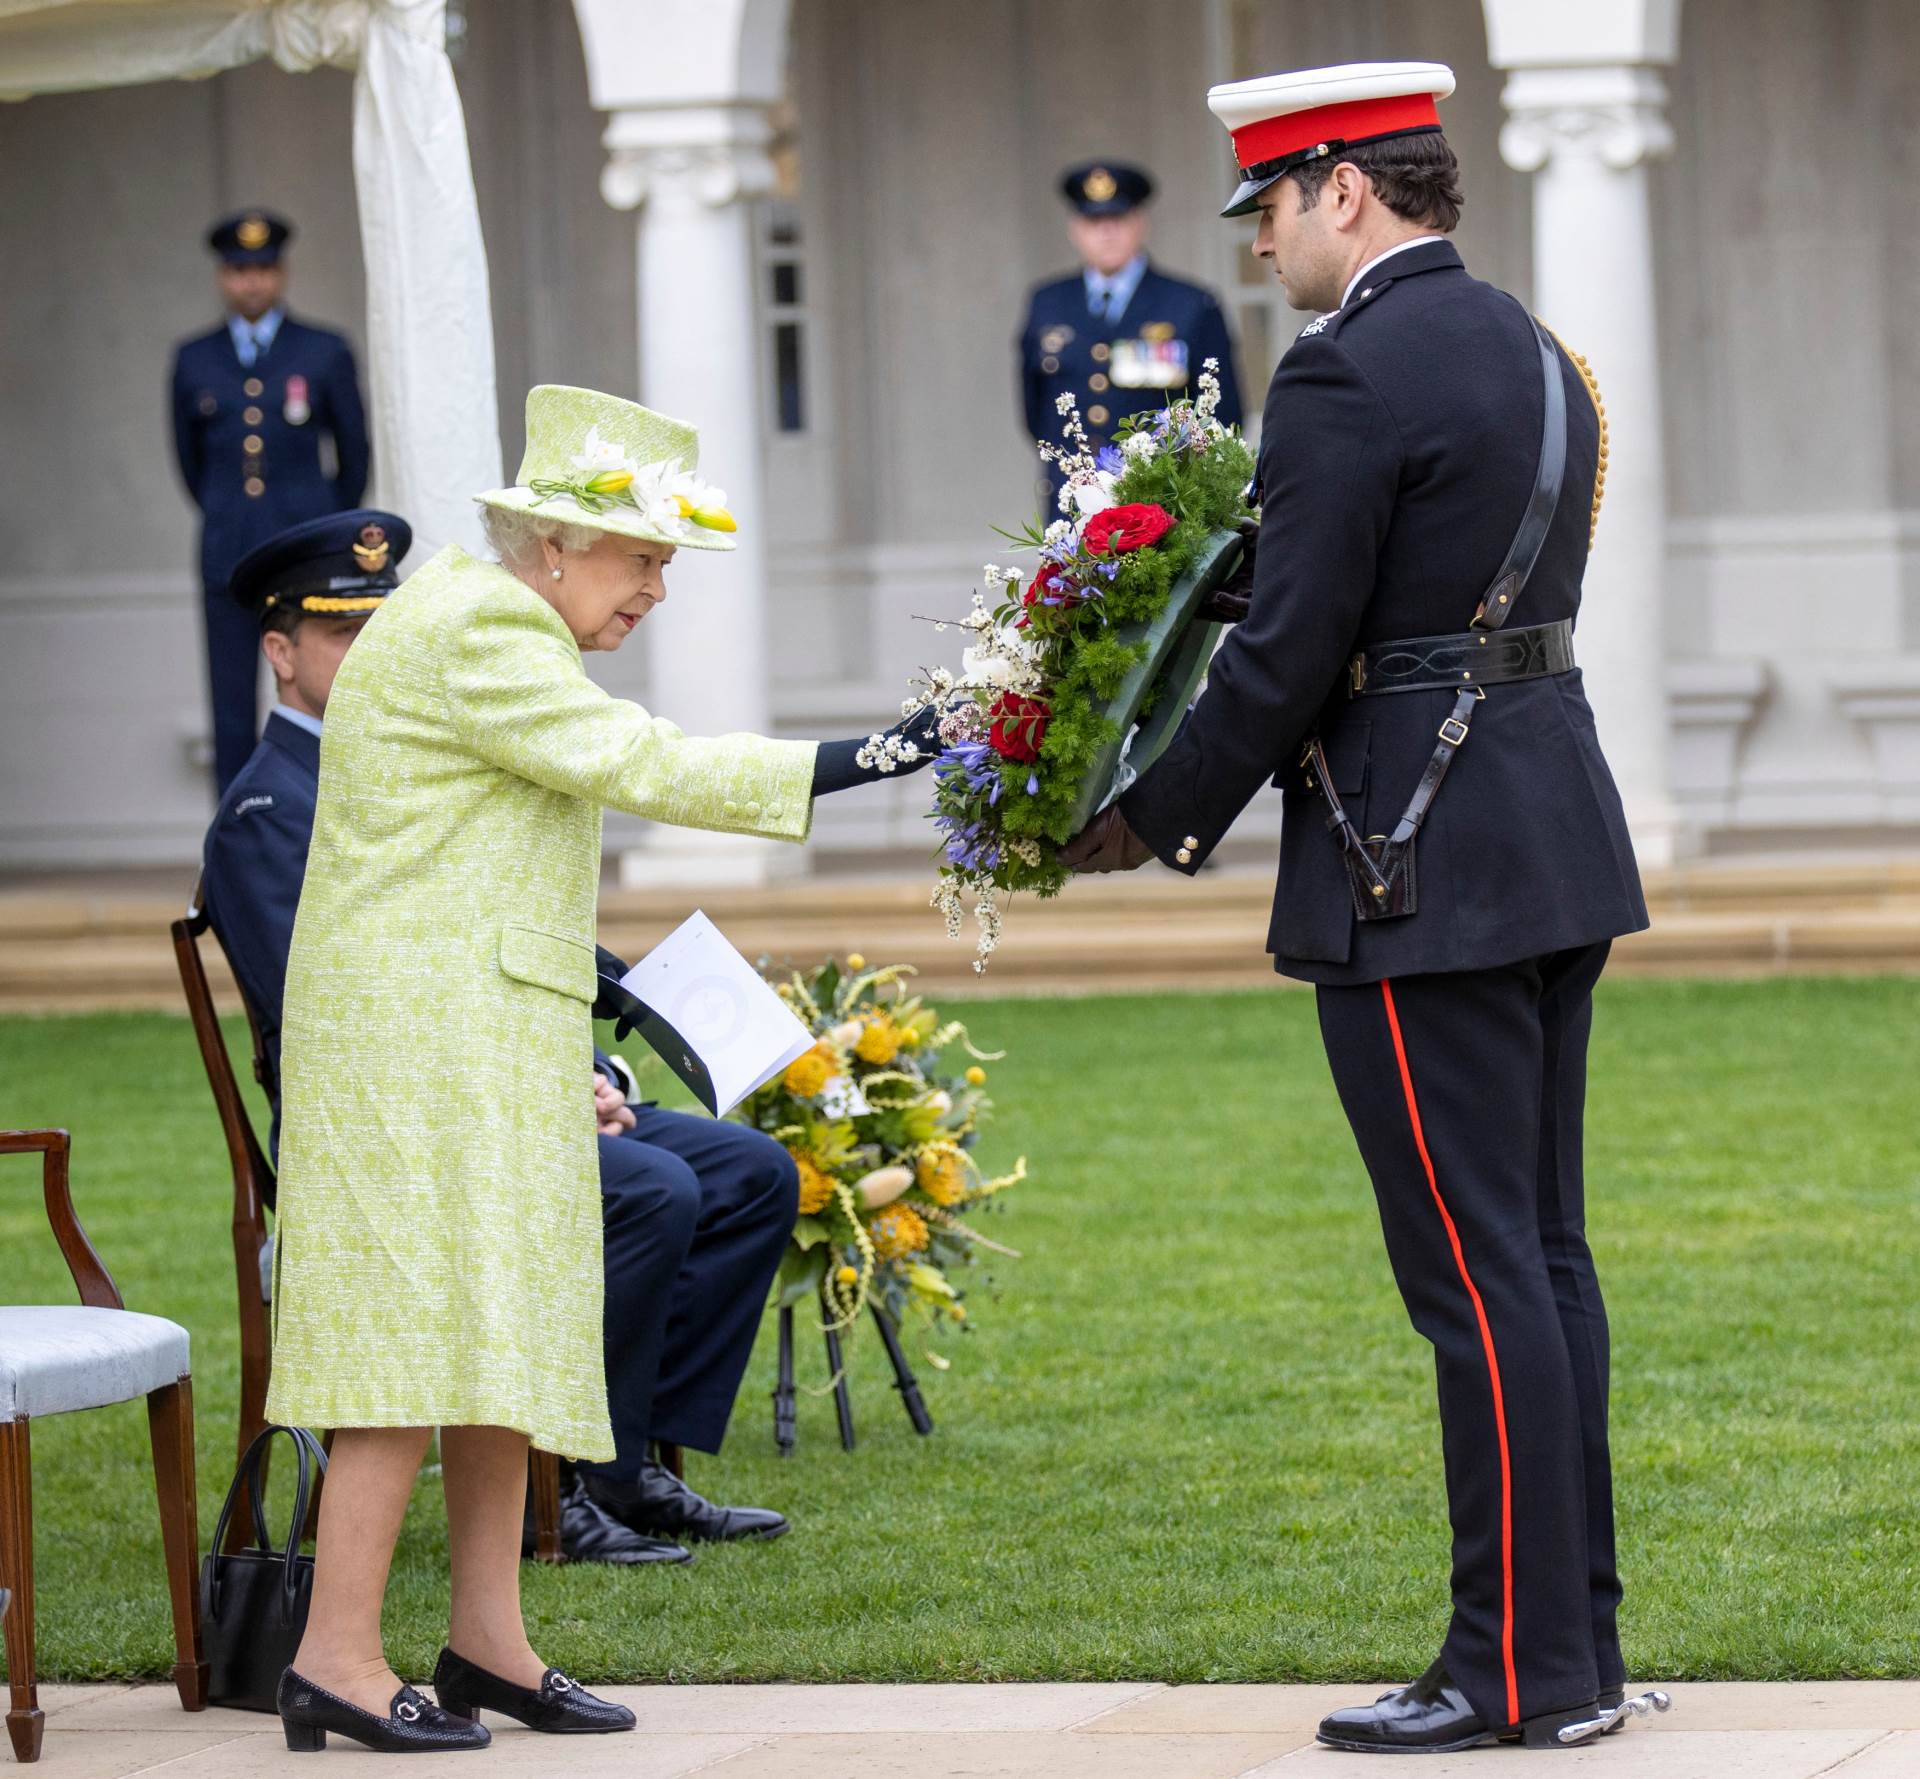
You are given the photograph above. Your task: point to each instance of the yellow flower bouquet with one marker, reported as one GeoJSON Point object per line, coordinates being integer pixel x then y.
{"type": "Point", "coordinates": [881, 1117]}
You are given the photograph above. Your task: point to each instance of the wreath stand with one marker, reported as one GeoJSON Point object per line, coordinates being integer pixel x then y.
{"type": "Point", "coordinates": [785, 1426]}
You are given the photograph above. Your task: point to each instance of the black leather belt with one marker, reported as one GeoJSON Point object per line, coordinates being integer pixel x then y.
{"type": "Point", "coordinates": [1465, 658]}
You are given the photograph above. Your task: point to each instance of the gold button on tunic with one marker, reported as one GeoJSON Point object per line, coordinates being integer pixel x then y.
{"type": "Point", "coordinates": [439, 1260]}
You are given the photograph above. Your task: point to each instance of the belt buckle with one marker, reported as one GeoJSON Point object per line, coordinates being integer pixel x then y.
{"type": "Point", "coordinates": [1453, 723]}
{"type": "Point", "coordinates": [1357, 673]}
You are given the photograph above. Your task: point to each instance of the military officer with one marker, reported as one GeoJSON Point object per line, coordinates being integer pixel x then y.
{"type": "Point", "coordinates": [1376, 678]}
{"type": "Point", "coordinates": [1119, 335]}
{"type": "Point", "coordinates": [696, 1212]}
{"type": "Point", "coordinates": [252, 401]}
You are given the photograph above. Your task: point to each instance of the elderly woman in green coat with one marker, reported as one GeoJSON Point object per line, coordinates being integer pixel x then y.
{"type": "Point", "coordinates": [438, 1261]}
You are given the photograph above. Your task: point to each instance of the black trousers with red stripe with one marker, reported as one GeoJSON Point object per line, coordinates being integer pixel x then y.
{"type": "Point", "coordinates": [1467, 1093]}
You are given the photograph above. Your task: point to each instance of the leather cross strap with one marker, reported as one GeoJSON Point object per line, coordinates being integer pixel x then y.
{"type": "Point", "coordinates": [1380, 869]}
{"type": "Point", "coordinates": [1496, 604]}
{"type": "Point", "coordinates": [1473, 657]}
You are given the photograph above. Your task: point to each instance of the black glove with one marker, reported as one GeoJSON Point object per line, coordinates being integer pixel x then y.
{"type": "Point", "coordinates": [607, 1004]}
{"type": "Point", "coordinates": [835, 767]}
{"type": "Point", "coordinates": [1229, 602]}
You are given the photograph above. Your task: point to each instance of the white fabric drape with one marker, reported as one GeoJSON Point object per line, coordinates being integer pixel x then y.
{"type": "Point", "coordinates": [430, 395]}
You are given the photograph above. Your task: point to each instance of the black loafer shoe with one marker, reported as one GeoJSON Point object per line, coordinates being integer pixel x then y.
{"type": "Point", "coordinates": [412, 1725]}
{"type": "Point", "coordinates": [660, 1505]}
{"type": "Point", "coordinates": [558, 1706]}
{"type": "Point", "coordinates": [589, 1534]}
{"type": "Point", "coordinates": [1433, 1716]}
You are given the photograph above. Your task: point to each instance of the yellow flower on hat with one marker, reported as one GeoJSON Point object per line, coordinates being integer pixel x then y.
{"type": "Point", "coordinates": [855, 961]}
{"type": "Point", "coordinates": [976, 1076]}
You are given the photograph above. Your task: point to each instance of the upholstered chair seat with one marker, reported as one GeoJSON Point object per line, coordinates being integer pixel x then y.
{"type": "Point", "coordinates": [55, 1358]}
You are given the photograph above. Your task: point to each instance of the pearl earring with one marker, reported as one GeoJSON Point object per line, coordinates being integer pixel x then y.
{"type": "Point", "coordinates": [556, 574]}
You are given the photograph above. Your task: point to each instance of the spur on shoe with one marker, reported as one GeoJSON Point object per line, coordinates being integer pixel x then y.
{"type": "Point", "coordinates": [1433, 1716]}
{"type": "Point", "coordinates": [413, 1724]}
{"type": "Point", "coordinates": [589, 1534]}
{"type": "Point", "coordinates": [659, 1504]}
{"type": "Point", "coordinates": [559, 1706]}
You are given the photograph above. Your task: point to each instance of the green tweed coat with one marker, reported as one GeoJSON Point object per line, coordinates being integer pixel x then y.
{"type": "Point", "coordinates": [438, 1261]}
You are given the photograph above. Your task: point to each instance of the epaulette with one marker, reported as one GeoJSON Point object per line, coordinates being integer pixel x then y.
{"type": "Point", "coordinates": [1600, 413]}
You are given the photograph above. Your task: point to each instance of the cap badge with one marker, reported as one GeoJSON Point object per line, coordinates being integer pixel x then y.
{"type": "Point", "coordinates": [1099, 185]}
{"type": "Point", "coordinates": [372, 550]}
{"type": "Point", "coordinates": [253, 233]}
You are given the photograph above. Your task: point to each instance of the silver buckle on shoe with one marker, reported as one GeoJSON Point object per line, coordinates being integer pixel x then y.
{"type": "Point", "coordinates": [1644, 1705]}
{"type": "Point", "coordinates": [560, 1683]}
{"type": "Point", "coordinates": [407, 1711]}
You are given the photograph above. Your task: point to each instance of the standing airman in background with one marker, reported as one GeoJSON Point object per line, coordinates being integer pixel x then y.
{"type": "Point", "coordinates": [1119, 335]}
{"type": "Point", "coordinates": [251, 402]}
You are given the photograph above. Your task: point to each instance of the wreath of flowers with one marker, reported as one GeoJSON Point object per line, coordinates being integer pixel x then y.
{"type": "Point", "coordinates": [880, 1117]}
{"type": "Point", "coordinates": [1025, 719]}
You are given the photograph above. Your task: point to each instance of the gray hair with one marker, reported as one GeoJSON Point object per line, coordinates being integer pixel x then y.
{"type": "Point", "coordinates": [516, 537]}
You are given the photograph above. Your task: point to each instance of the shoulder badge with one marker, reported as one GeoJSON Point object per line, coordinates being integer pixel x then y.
{"type": "Point", "coordinates": [1316, 324]}
{"type": "Point", "coordinates": [372, 549]}
{"type": "Point", "coordinates": [247, 805]}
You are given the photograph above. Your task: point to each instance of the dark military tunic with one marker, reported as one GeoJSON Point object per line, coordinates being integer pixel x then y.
{"type": "Point", "coordinates": [248, 442]}
{"type": "Point", "coordinates": [1149, 355]}
{"type": "Point", "coordinates": [1399, 449]}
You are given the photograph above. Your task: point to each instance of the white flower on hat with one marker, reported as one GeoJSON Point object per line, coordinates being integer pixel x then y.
{"type": "Point", "coordinates": [598, 454]}
{"type": "Point", "coordinates": [674, 501]}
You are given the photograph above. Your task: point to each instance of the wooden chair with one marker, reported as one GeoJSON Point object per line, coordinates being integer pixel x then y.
{"type": "Point", "coordinates": [254, 1189]}
{"type": "Point", "coordinates": [56, 1360]}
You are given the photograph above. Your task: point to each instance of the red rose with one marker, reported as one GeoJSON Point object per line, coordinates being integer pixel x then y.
{"type": "Point", "coordinates": [1121, 529]}
{"type": "Point", "coordinates": [1019, 726]}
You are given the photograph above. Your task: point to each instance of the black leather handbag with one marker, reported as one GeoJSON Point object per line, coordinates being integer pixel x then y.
{"type": "Point", "coordinates": [253, 1604]}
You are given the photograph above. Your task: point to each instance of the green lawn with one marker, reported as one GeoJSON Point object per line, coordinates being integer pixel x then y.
{"type": "Point", "coordinates": [1194, 1439]}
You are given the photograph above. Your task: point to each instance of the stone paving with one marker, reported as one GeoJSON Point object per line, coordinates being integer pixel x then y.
{"type": "Point", "coordinates": [1836, 1730]}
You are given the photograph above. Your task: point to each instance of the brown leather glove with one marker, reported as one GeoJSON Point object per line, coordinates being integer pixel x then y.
{"type": "Point", "coordinates": [1106, 844]}
{"type": "Point", "coordinates": [1229, 602]}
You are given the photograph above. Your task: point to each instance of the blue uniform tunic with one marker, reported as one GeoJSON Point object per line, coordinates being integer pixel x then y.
{"type": "Point", "coordinates": [248, 442]}
{"type": "Point", "coordinates": [1135, 362]}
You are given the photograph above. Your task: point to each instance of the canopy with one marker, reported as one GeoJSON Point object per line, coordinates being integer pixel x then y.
{"type": "Point", "coordinates": [429, 328]}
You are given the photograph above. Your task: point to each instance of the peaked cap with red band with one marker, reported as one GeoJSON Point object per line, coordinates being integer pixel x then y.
{"type": "Point", "coordinates": [1281, 121]}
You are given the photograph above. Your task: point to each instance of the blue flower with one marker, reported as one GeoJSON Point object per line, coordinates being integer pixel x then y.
{"type": "Point", "coordinates": [1108, 458]}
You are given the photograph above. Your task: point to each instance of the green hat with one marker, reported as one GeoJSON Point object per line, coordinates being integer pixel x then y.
{"type": "Point", "coordinates": [596, 460]}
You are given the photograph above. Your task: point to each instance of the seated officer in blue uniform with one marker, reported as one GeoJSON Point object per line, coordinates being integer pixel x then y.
{"type": "Point", "coordinates": [1119, 335]}
{"type": "Point", "coordinates": [697, 1213]}
{"type": "Point", "coordinates": [251, 402]}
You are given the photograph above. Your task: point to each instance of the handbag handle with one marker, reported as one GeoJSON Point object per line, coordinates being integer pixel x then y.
{"type": "Point", "coordinates": [308, 1451]}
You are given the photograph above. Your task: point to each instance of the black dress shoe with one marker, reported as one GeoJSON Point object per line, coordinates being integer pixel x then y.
{"type": "Point", "coordinates": [559, 1706]}
{"type": "Point", "coordinates": [412, 1725]}
{"type": "Point", "coordinates": [1432, 1716]}
{"type": "Point", "coordinates": [659, 1504]}
{"type": "Point", "coordinates": [589, 1534]}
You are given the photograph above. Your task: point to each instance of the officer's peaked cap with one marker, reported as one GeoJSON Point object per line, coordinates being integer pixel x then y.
{"type": "Point", "coordinates": [1280, 121]}
{"type": "Point", "coordinates": [250, 237]}
{"type": "Point", "coordinates": [329, 567]}
{"type": "Point", "coordinates": [1105, 188]}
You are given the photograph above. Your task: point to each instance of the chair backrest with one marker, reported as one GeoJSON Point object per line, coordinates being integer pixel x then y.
{"type": "Point", "coordinates": [253, 1180]}
{"type": "Point", "coordinates": [90, 1275]}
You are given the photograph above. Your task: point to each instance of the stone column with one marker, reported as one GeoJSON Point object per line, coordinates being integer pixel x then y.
{"type": "Point", "coordinates": [689, 173]}
{"type": "Point", "coordinates": [1585, 133]}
